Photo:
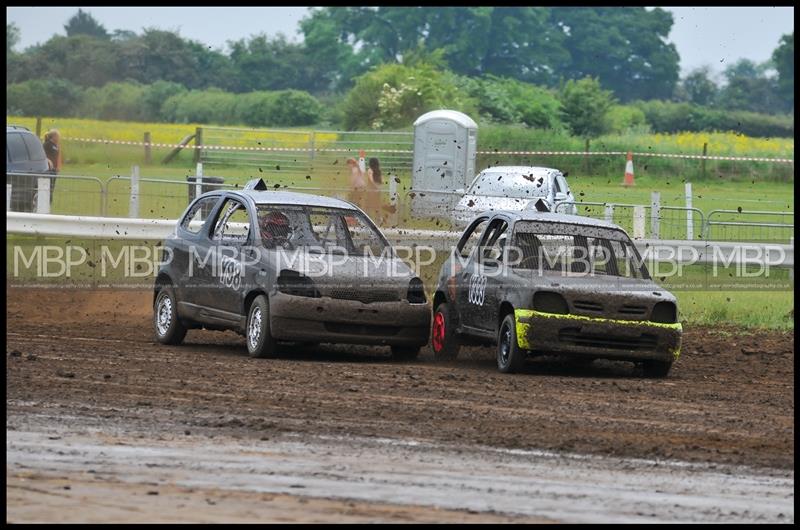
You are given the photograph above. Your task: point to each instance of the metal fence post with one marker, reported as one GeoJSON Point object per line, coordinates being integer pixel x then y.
{"type": "Point", "coordinates": [134, 206]}
{"type": "Point", "coordinates": [638, 222]}
{"type": "Point", "coordinates": [38, 127]}
{"type": "Point", "coordinates": [655, 213]}
{"type": "Point", "coordinates": [104, 198]}
{"type": "Point", "coordinates": [198, 181]}
{"type": "Point", "coordinates": [608, 214]}
{"type": "Point", "coordinates": [43, 195]}
{"type": "Point", "coordinates": [689, 219]}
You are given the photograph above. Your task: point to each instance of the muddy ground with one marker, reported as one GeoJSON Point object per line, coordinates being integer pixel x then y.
{"type": "Point", "coordinates": [90, 355]}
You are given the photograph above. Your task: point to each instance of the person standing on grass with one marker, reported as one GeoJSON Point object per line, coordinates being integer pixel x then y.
{"type": "Point", "coordinates": [52, 150]}
{"type": "Point", "coordinates": [374, 182]}
{"type": "Point", "coordinates": [358, 183]}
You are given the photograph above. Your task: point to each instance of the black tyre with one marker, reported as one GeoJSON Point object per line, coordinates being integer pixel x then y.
{"type": "Point", "coordinates": [405, 353]}
{"type": "Point", "coordinates": [510, 357]}
{"type": "Point", "coordinates": [444, 342]}
{"type": "Point", "coordinates": [168, 329]}
{"type": "Point", "coordinates": [259, 336]}
{"type": "Point", "coordinates": [653, 368]}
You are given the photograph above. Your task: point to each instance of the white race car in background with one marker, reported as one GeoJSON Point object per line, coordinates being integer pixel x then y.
{"type": "Point", "coordinates": [514, 188]}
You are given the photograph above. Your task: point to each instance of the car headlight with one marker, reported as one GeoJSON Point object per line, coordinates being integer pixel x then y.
{"type": "Point", "coordinates": [295, 284]}
{"type": "Point", "coordinates": [550, 302]}
{"type": "Point", "coordinates": [665, 312]}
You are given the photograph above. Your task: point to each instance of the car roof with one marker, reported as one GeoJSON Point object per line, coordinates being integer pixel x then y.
{"type": "Point", "coordinates": [291, 197]}
{"type": "Point", "coordinates": [521, 170]}
{"type": "Point", "coordinates": [549, 217]}
{"type": "Point", "coordinates": [19, 128]}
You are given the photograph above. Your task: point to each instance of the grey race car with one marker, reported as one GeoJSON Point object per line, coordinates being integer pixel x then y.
{"type": "Point", "coordinates": [536, 283]}
{"type": "Point", "coordinates": [281, 266]}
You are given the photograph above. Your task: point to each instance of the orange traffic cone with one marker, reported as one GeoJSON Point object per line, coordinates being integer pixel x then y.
{"type": "Point", "coordinates": [628, 171]}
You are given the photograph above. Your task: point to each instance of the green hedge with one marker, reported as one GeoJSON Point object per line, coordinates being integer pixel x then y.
{"type": "Point", "coordinates": [668, 117]}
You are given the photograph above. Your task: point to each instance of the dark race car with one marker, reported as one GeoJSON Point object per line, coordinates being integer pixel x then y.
{"type": "Point", "coordinates": [541, 283]}
{"type": "Point", "coordinates": [281, 266]}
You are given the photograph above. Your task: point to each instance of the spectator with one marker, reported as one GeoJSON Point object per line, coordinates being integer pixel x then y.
{"type": "Point", "coordinates": [374, 182]}
{"type": "Point", "coordinates": [52, 150]}
{"type": "Point", "coordinates": [358, 183]}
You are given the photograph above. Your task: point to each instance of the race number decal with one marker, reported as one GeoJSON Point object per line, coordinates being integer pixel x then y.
{"type": "Point", "coordinates": [477, 289]}
{"type": "Point", "coordinates": [231, 275]}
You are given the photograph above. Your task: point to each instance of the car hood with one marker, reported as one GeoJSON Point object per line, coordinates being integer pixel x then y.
{"type": "Point", "coordinates": [475, 204]}
{"type": "Point", "coordinates": [329, 271]}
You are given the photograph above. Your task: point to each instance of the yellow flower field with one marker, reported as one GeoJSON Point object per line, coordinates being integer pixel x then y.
{"type": "Point", "coordinates": [173, 133]}
{"type": "Point", "coordinates": [719, 144]}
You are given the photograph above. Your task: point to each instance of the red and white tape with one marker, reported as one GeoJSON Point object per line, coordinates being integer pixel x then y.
{"type": "Point", "coordinates": [407, 151]}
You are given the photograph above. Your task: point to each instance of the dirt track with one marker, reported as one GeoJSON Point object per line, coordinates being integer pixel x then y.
{"type": "Point", "coordinates": [728, 400]}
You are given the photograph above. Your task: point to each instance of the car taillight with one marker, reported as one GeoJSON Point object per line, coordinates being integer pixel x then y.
{"type": "Point", "coordinates": [550, 302]}
{"type": "Point", "coordinates": [295, 284]}
{"type": "Point", "coordinates": [416, 292]}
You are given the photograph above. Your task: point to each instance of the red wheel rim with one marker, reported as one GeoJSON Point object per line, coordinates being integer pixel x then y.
{"type": "Point", "coordinates": [438, 332]}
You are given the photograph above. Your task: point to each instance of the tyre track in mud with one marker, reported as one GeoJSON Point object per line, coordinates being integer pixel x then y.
{"type": "Point", "coordinates": [729, 398]}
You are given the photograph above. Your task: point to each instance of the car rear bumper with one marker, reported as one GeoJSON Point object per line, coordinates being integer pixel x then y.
{"type": "Point", "coordinates": [600, 337]}
{"type": "Point", "coordinates": [300, 318]}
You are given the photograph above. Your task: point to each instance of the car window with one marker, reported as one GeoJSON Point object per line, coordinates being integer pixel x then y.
{"type": "Point", "coordinates": [466, 248]}
{"type": "Point", "coordinates": [493, 243]}
{"type": "Point", "coordinates": [195, 218]}
{"type": "Point", "coordinates": [318, 229]}
{"type": "Point", "coordinates": [16, 147]}
{"type": "Point", "coordinates": [35, 148]}
{"type": "Point", "coordinates": [557, 185]}
{"type": "Point", "coordinates": [499, 184]}
{"type": "Point", "coordinates": [233, 223]}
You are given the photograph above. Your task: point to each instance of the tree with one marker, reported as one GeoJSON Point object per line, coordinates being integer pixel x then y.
{"type": "Point", "coordinates": [83, 23]}
{"type": "Point", "coordinates": [270, 64]}
{"type": "Point", "coordinates": [625, 48]}
{"type": "Point", "coordinates": [585, 106]}
{"type": "Point", "coordinates": [699, 87]}
{"type": "Point", "coordinates": [749, 88]}
{"type": "Point", "coordinates": [783, 59]}
{"type": "Point", "coordinates": [12, 37]}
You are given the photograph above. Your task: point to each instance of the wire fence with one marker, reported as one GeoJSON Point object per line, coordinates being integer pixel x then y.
{"type": "Point", "coordinates": [157, 198]}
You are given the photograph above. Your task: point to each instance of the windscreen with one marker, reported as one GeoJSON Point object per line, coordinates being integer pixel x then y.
{"type": "Point", "coordinates": [510, 185]}
{"type": "Point", "coordinates": [318, 229]}
{"type": "Point", "coordinates": [575, 249]}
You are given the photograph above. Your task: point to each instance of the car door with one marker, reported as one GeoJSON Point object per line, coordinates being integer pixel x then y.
{"type": "Point", "coordinates": [189, 248]}
{"type": "Point", "coordinates": [230, 241]}
{"type": "Point", "coordinates": [475, 278]}
{"type": "Point", "coordinates": [491, 274]}
{"type": "Point", "coordinates": [463, 265]}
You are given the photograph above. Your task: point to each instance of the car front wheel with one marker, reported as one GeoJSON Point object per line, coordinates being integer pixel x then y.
{"type": "Point", "coordinates": [260, 342]}
{"type": "Point", "coordinates": [510, 357]}
{"type": "Point", "coordinates": [169, 330]}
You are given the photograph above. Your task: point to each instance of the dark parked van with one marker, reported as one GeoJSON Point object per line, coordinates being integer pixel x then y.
{"type": "Point", "coordinates": [24, 154]}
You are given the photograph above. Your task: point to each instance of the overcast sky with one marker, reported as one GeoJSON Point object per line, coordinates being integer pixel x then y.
{"type": "Point", "coordinates": [714, 36]}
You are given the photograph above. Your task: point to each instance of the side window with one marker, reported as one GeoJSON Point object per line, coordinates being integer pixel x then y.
{"type": "Point", "coordinates": [16, 147]}
{"type": "Point", "coordinates": [557, 185]}
{"type": "Point", "coordinates": [196, 217]}
{"type": "Point", "coordinates": [492, 246]}
{"type": "Point", "coordinates": [233, 223]}
{"type": "Point", "coordinates": [471, 241]}
{"type": "Point", "coordinates": [35, 149]}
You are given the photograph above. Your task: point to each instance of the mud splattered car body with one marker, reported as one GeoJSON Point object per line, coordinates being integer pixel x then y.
{"type": "Point", "coordinates": [280, 266]}
{"type": "Point", "coordinates": [537, 283]}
